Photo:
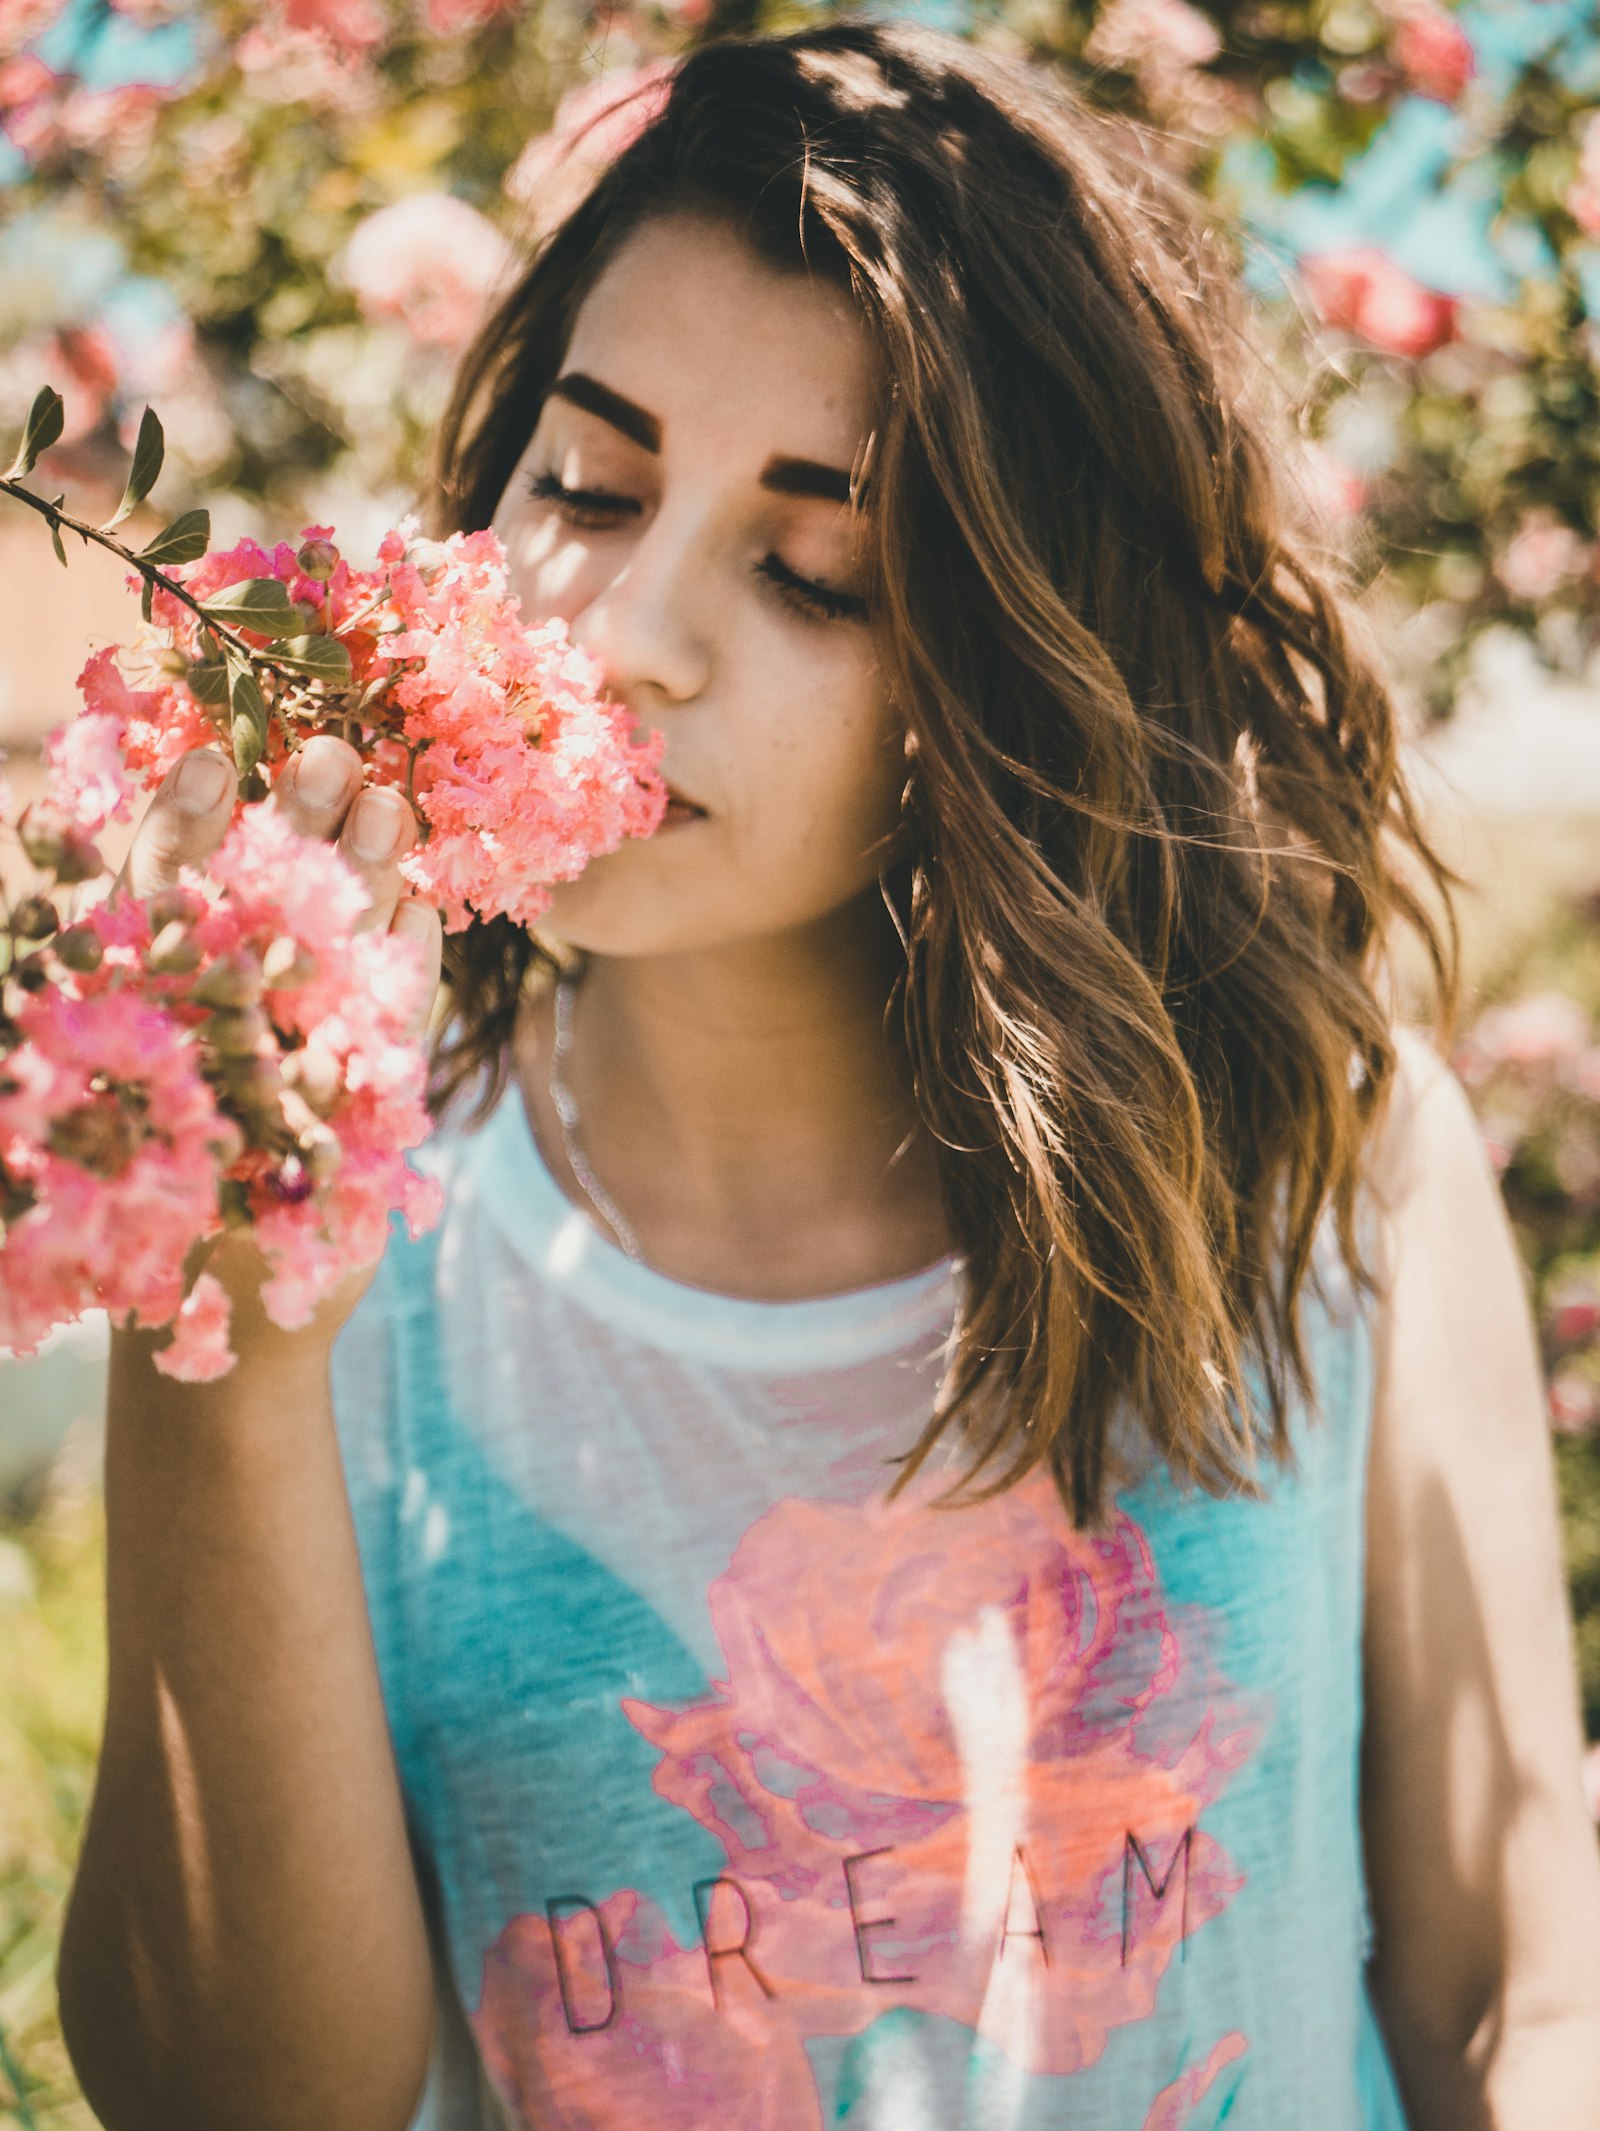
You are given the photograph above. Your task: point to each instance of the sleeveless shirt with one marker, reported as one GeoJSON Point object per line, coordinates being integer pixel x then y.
{"type": "Point", "coordinates": [744, 1799]}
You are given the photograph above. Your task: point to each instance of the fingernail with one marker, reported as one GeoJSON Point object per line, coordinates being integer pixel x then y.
{"type": "Point", "coordinates": [202, 779]}
{"type": "Point", "coordinates": [321, 775]}
{"type": "Point", "coordinates": [376, 827]}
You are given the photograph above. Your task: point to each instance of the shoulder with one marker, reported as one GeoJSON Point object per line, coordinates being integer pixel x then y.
{"type": "Point", "coordinates": [1484, 1879]}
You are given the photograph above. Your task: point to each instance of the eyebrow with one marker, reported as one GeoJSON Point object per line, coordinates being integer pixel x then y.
{"type": "Point", "coordinates": [784, 475]}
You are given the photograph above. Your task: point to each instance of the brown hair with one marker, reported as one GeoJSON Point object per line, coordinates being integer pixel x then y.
{"type": "Point", "coordinates": [1157, 826]}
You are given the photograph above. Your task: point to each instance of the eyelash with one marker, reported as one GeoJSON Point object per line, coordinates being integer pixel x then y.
{"type": "Point", "coordinates": [812, 601]}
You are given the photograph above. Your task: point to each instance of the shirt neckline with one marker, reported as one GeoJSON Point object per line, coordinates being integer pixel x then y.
{"type": "Point", "coordinates": [506, 1168]}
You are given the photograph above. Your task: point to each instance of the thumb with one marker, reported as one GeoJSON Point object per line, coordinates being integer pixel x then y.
{"type": "Point", "coordinates": [184, 822]}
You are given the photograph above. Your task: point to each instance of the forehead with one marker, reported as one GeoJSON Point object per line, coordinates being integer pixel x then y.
{"type": "Point", "coordinates": [689, 321]}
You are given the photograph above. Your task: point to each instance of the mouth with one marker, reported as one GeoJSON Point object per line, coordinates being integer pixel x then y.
{"type": "Point", "coordinates": [681, 809]}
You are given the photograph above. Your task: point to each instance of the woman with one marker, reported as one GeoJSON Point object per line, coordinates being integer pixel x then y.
{"type": "Point", "coordinates": [964, 1350]}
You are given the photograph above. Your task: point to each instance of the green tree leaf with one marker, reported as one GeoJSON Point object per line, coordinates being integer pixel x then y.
{"type": "Point", "coordinates": [259, 603]}
{"type": "Point", "coordinates": [148, 454]}
{"type": "Point", "coordinates": [43, 426]}
{"type": "Point", "coordinates": [146, 595]}
{"type": "Point", "coordinates": [184, 540]}
{"type": "Point", "coordinates": [208, 683]}
{"type": "Point", "coordinates": [249, 715]}
{"type": "Point", "coordinates": [320, 658]}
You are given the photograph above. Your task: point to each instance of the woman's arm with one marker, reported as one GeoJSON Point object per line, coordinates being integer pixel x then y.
{"type": "Point", "coordinates": [244, 1948]}
{"type": "Point", "coordinates": [1483, 1863]}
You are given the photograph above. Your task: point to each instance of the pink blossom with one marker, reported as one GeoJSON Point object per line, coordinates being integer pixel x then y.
{"type": "Point", "coordinates": [1574, 1403]}
{"type": "Point", "coordinates": [1365, 293]}
{"type": "Point", "coordinates": [1583, 196]}
{"type": "Point", "coordinates": [87, 775]}
{"type": "Point", "coordinates": [447, 18]}
{"type": "Point", "coordinates": [122, 1175]}
{"type": "Point", "coordinates": [1141, 34]}
{"type": "Point", "coordinates": [1335, 489]}
{"type": "Point", "coordinates": [1542, 556]}
{"type": "Point", "coordinates": [115, 124]}
{"type": "Point", "coordinates": [22, 20]}
{"type": "Point", "coordinates": [351, 25]}
{"type": "Point", "coordinates": [429, 261]}
{"type": "Point", "coordinates": [199, 1350]}
{"type": "Point", "coordinates": [593, 124]}
{"type": "Point", "coordinates": [1433, 52]}
{"type": "Point", "coordinates": [1545, 1029]}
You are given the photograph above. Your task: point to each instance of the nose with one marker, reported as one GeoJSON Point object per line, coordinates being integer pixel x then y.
{"type": "Point", "coordinates": [645, 624]}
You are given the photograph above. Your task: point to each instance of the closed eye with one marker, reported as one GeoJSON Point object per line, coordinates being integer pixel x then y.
{"type": "Point", "coordinates": [595, 510]}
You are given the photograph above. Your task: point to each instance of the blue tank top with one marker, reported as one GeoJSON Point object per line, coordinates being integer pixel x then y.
{"type": "Point", "coordinates": [744, 1797]}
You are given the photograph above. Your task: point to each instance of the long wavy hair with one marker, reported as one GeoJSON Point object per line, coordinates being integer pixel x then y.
{"type": "Point", "coordinates": [1157, 831]}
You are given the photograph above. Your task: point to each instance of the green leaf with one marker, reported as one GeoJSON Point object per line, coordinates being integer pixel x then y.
{"type": "Point", "coordinates": [249, 716]}
{"type": "Point", "coordinates": [148, 454]}
{"type": "Point", "coordinates": [208, 683]}
{"type": "Point", "coordinates": [246, 743]}
{"type": "Point", "coordinates": [184, 540]}
{"type": "Point", "coordinates": [146, 593]}
{"type": "Point", "coordinates": [55, 542]}
{"type": "Point", "coordinates": [43, 426]}
{"type": "Point", "coordinates": [320, 658]}
{"type": "Point", "coordinates": [259, 603]}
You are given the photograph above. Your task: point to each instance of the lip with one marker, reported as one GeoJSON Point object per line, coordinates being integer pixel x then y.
{"type": "Point", "coordinates": [681, 807]}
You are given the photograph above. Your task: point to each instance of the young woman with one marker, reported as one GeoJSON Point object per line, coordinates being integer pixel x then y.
{"type": "Point", "coordinates": [956, 1521]}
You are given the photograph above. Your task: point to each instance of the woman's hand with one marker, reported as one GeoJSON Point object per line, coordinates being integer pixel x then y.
{"type": "Point", "coordinates": [320, 793]}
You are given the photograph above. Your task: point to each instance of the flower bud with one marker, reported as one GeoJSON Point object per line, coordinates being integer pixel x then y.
{"type": "Point", "coordinates": [322, 1154]}
{"type": "Point", "coordinates": [56, 845]}
{"type": "Point", "coordinates": [252, 1084]}
{"type": "Point", "coordinates": [286, 964]}
{"type": "Point", "coordinates": [173, 661]}
{"type": "Point", "coordinates": [174, 906]}
{"type": "Point", "coordinates": [291, 1182]}
{"type": "Point", "coordinates": [79, 949]}
{"type": "Point", "coordinates": [234, 1032]}
{"type": "Point", "coordinates": [173, 952]}
{"type": "Point", "coordinates": [233, 980]}
{"type": "Point", "coordinates": [32, 972]}
{"type": "Point", "coordinates": [226, 1142]}
{"type": "Point", "coordinates": [34, 918]}
{"type": "Point", "coordinates": [318, 559]}
{"type": "Point", "coordinates": [314, 1073]}
{"type": "Point", "coordinates": [233, 1202]}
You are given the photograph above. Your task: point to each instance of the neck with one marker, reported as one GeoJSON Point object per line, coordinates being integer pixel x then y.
{"type": "Point", "coordinates": [748, 1111]}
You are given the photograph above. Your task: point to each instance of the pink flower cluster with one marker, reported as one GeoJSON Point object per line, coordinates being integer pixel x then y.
{"type": "Point", "coordinates": [233, 1053]}
{"type": "Point", "coordinates": [522, 769]}
{"type": "Point", "coordinates": [1365, 293]}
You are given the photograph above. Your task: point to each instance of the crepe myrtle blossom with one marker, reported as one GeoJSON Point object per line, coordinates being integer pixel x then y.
{"type": "Point", "coordinates": [231, 1052]}
{"type": "Point", "coordinates": [429, 261]}
{"type": "Point", "coordinates": [1366, 294]}
{"type": "Point", "coordinates": [1433, 52]}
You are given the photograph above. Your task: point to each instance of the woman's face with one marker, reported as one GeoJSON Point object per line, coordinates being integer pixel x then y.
{"type": "Point", "coordinates": [681, 505]}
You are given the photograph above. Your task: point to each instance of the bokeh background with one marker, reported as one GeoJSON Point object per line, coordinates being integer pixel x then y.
{"type": "Point", "coordinates": [278, 222]}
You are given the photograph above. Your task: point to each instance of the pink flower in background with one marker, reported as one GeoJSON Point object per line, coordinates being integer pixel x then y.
{"type": "Point", "coordinates": [1542, 556]}
{"type": "Point", "coordinates": [593, 124]}
{"type": "Point", "coordinates": [115, 124]}
{"type": "Point", "coordinates": [431, 262]}
{"type": "Point", "coordinates": [448, 18]}
{"type": "Point", "coordinates": [1334, 488]}
{"type": "Point", "coordinates": [1583, 196]}
{"type": "Point", "coordinates": [1542, 1031]}
{"type": "Point", "coordinates": [23, 20]}
{"type": "Point", "coordinates": [948, 1722]}
{"type": "Point", "coordinates": [1141, 34]}
{"type": "Point", "coordinates": [1574, 1403]}
{"type": "Point", "coordinates": [353, 25]}
{"type": "Point", "coordinates": [1365, 293]}
{"type": "Point", "coordinates": [1433, 52]}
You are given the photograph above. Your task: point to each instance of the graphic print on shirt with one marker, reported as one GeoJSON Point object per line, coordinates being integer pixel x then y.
{"type": "Point", "coordinates": [956, 1766]}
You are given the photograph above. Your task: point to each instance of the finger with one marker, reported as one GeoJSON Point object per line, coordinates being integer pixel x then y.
{"type": "Point", "coordinates": [416, 920]}
{"type": "Point", "coordinates": [317, 784]}
{"type": "Point", "coordinates": [184, 822]}
{"type": "Point", "coordinates": [378, 831]}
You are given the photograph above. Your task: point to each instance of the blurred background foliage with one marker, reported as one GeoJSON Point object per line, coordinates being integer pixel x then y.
{"type": "Point", "coordinates": [278, 220]}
